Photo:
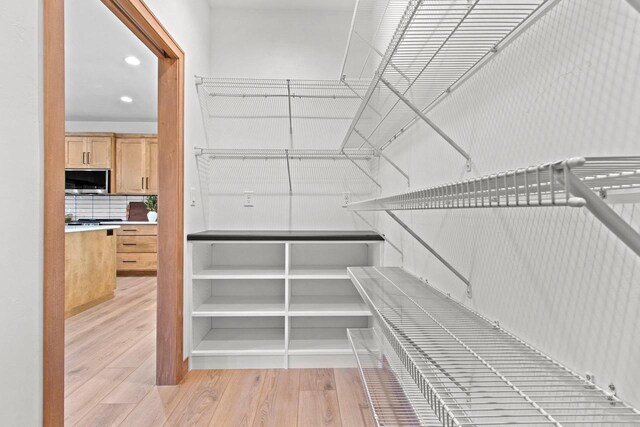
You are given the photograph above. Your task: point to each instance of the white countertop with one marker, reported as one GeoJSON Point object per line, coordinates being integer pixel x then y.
{"type": "Point", "coordinates": [81, 228]}
{"type": "Point", "coordinates": [129, 222]}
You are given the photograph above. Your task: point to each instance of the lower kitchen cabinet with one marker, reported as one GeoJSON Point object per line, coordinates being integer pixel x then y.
{"type": "Point", "coordinates": [90, 269]}
{"type": "Point", "coordinates": [137, 249]}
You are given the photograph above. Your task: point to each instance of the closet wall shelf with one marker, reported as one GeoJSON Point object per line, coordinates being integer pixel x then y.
{"type": "Point", "coordinates": [284, 153]}
{"type": "Point", "coordinates": [468, 370]}
{"type": "Point", "coordinates": [291, 163]}
{"type": "Point", "coordinates": [572, 182]}
{"type": "Point", "coordinates": [435, 45]}
{"type": "Point", "coordinates": [394, 398]}
{"type": "Point", "coordinates": [277, 112]}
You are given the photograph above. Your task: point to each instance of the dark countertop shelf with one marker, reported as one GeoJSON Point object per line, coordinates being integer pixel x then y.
{"type": "Point", "coordinates": [287, 235]}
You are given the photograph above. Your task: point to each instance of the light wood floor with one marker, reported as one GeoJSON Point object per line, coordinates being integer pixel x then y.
{"type": "Point", "coordinates": [110, 367]}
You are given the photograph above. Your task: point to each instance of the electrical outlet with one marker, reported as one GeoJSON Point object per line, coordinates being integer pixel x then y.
{"type": "Point", "coordinates": [248, 199]}
{"type": "Point", "coordinates": [192, 196]}
{"type": "Point", "coordinates": [346, 199]}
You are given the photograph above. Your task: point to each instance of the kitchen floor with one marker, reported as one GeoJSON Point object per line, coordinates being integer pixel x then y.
{"type": "Point", "coordinates": [110, 376]}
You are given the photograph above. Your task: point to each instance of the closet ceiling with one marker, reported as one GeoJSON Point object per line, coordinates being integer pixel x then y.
{"type": "Point", "coordinates": [96, 43]}
{"type": "Point", "coordinates": [324, 5]}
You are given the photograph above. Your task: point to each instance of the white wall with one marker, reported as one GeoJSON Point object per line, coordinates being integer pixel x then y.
{"type": "Point", "coordinates": [555, 277]}
{"type": "Point", "coordinates": [189, 22]}
{"type": "Point", "coordinates": [21, 164]}
{"type": "Point", "coordinates": [278, 44]}
{"type": "Point", "coordinates": [117, 127]}
{"type": "Point", "coordinates": [21, 237]}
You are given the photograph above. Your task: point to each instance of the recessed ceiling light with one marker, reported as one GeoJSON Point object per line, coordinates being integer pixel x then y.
{"type": "Point", "coordinates": [126, 99]}
{"type": "Point", "coordinates": [132, 60]}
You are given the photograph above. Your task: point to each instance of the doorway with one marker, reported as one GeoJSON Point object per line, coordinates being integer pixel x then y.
{"type": "Point", "coordinates": [170, 364]}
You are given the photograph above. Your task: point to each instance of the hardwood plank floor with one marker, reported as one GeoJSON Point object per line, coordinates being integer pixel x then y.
{"type": "Point", "coordinates": [110, 365]}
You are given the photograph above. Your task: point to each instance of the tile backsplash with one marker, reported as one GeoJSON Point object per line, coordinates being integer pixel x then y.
{"type": "Point", "coordinates": [112, 207]}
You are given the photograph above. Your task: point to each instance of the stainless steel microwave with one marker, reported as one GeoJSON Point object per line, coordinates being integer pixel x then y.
{"type": "Point", "coordinates": [87, 181]}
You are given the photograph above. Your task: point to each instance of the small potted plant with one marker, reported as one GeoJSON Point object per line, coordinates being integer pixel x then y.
{"type": "Point", "coordinates": [151, 202]}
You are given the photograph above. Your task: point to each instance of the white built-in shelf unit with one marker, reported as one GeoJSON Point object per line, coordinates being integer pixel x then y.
{"type": "Point", "coordinates": [276, 300]}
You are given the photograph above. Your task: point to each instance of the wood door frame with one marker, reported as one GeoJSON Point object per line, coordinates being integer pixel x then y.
{"type": "Point", "coordinates": [170, 366]}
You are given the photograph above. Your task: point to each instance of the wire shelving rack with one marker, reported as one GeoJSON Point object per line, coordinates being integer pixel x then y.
{"type": "Point", "coordinates": [393, 396]}
{"type": "Point", "coordinates": [468, 370]}
{"type": "Point", "coordinates": [435, 44]}
{"type": "Point", "coordinates": [277, 113]}
{"type": "Point", "coordinates": [573, 182]}
{"type": "Point", "coordinates": [306, 171]}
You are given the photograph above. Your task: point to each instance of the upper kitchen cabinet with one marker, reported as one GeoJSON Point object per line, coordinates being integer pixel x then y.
{"type": "Point", "coordinates": [136, 164]}
{"type": "Point", "coordinates": [152, 165]}
{"type": "Point", "coordinates": [99, 151]}
{"type": "Point", "coordinates": [88, 151]}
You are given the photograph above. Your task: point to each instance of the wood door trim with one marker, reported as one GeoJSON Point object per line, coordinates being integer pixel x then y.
{"type": "Point", "coordinates": [54, 163]}
{"type": "Point", "coordinates": [171, 365]}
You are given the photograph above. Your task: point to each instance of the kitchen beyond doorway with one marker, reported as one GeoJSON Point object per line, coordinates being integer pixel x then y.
{"type": "Point", "coordinates": [170, 366]}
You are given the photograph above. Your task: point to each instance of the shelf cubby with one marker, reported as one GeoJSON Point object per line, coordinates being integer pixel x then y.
{"type": "Point", "coordinates": [223, 261]}
{"type": "Point", "coordinates": [322, 335]}
{"type": "Point", "coordinates": [238, 298]}
{"type": "Point", "coordinates": [325, 298]}
{"type": "Point", "coordinates": [326, 261]}
{"type": "Point", "coordinates": [238, 336]}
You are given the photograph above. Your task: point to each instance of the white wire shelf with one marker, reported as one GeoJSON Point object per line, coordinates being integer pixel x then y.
{"type": "Point", "coordinates": [572, 182]}
{"type": "Point", "coordinates": [435, 44]}
{"type": "Point", "coordinates": [394, 398]}
{"type": "Point", "coordinates": [274, 153]}
{"type": "Point", "coordinates": [373, 24]}
{"type": "Point", "coordinates": [277, 113]}
{"type": "Point", "coordinates": [542, 185]}
{"type": "Point", "coordinates": [284, 171]}
{"type": "Point", "coordinates": [470, 371]}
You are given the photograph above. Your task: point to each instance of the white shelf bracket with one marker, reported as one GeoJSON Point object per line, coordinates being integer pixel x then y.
{"type": "Point", "coordinates": [435, 127]}
{"type": "Point", "coordinates": [381, 154]}
{"type": "Point", "coordinates": [344, 82]}
{"type": "Point", "coordinates": [286, 153]}
{"type": "Point", "coordinates": [381, 55]}
{"type": "Point", "coordinates": [362, 170]}
{"type": "Point", "coordinates": [433, 252]}
{"type": "Point", "coordinates": [290, 119]}
{"type": "Point", "coordinates": [604, 213]}
{"type": "Point", "coordinates": [394, 246]}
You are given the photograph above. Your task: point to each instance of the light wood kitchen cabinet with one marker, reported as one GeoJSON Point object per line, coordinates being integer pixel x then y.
{"type": "Point", "coordinates": [136, 165]}
{"type": "Point", "coordinates": [88, 151]}
{"type": "Point", "coordinates": [137, 249]}
{"type": "Point", "coordinates": [90, 269]}
{"type": "Point", "coordinates": [152, 166]}
{"type": "Point", "coordinates": [99, 151]}
{"type": "Point", "coordinates": [75, 152]}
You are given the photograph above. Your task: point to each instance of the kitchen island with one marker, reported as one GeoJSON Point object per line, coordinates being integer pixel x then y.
{"type": "Point", "coordinates": [90, 266]}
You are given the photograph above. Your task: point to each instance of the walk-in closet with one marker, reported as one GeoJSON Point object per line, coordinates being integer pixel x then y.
{"type": "Point", "coordinates": [456, 215]}
{"type": "Point", "coordinates": [389, 213]}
